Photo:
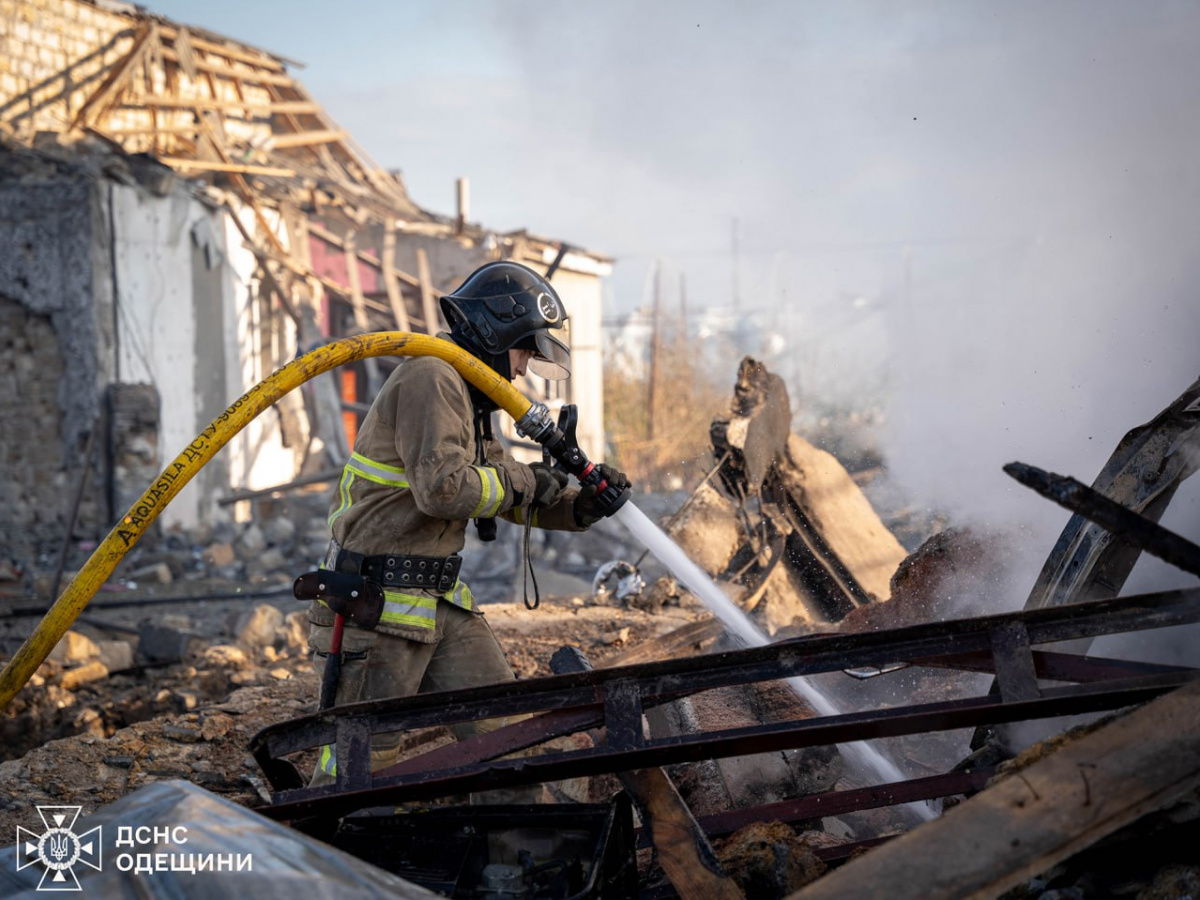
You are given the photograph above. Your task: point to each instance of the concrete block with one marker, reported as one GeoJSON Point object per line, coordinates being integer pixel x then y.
{"type": "Point", "coordinates": [257, 627]}
{"type": "Point", "coordinates": [74, 647]}
{"type": "Point", "coordinates": [279, 530]}
{"type": "Point", "coordinates": [90, 671]}
{"type": "Point", "coordinates": [270, 560]}
{"type": "Point", "coordinates": [160, 644]}
{"type": "Point", "coordinates": [252, 540]}
{"type": "Point", "coordinates": [226, 655]}
{"type": "Point", "coordinates": [293, 634]}
{"type": "Point", "coordinates": [116, 655]}
{"type": "Point", "coordinates": [219, 555]}
{"type": "Point", "coordinates": [159, 572]}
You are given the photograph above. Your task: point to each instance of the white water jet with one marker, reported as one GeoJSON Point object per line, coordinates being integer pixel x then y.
{"type": "Point", "coordinates": [860, 754]}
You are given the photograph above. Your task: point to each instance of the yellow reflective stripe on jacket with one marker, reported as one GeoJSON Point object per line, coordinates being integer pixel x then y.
{"type": "Point", "coordinates": [360, 466]}
{"type": "Point", "coordinates": [380, 473]}
{"type": "Point", "coordinates": [347, 479]}
{"type": "Point", "coordinates": [491, 492]}
{"type": "Point", "coordinates": [328, 760]}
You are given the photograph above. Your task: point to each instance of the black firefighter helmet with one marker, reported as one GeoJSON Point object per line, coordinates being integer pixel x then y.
{"type": "Point", "coordinates": [503, 305]}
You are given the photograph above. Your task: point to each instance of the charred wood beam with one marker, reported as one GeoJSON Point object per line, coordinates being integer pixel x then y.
{"type": "Point", "coordinates": [1110, 515]}
{"type": "Point", "coordinates": [1047, 813]}
{"type": "Point", "coordinates": [841, 590]}
{"type": "Point", "coordinates": [1143, 474]}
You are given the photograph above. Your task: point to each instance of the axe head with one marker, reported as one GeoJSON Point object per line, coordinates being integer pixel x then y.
{"type": "Point", "coordinates": [353, 597]}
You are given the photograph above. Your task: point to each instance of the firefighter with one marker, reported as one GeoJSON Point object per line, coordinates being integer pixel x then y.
{"type": "Point", "coordinates": [425, 462]}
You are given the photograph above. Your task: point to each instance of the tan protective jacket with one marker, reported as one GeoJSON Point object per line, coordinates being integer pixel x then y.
{"type": "Point", "coordinates": [412, 484]}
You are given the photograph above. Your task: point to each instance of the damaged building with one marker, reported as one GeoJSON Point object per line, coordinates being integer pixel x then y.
{"type": "Point", "coordinates": [183, 220]}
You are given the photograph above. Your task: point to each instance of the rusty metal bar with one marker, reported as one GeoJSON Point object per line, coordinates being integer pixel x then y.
{"type": "Point", "coordinates": [660, 682]}
{"type": "Point", "coordinates": [1055, 666]}
{"type": "Point", "coordinates": [1013, 656]}
{"type": "Point", "coordinates": [835, 803]}
{"type": "Point", "coordinates": [1074, 700]}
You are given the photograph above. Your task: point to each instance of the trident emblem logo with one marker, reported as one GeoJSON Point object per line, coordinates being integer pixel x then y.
{"type": "Point", "coordinates": [58, 848]}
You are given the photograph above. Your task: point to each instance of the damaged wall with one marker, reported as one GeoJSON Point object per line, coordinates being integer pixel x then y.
{"type": "Point", "coordinates": [191, 321]}
{"type": "Point", "coordinates": [48, 400]}
{"type": "Point", "coordinates": [109, 283]}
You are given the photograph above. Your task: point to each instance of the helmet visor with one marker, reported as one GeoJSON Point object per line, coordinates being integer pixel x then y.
{"type": "Point", "coordinates": [551, 358]}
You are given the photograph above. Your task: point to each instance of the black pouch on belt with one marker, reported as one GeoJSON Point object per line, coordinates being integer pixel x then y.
{"type": "Point", "coordinates": [353, 597]}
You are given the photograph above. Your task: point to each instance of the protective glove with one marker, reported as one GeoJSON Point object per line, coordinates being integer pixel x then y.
{"type": "Point", "coordinates": [590, 509]}
{"type": "Point", "coordinates": [549, 484]}
{"type": "Point", "coordinates": [619, 480]}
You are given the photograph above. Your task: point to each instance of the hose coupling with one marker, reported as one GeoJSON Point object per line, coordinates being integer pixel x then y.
{"type": "Point", "coordinates": [536, 424]}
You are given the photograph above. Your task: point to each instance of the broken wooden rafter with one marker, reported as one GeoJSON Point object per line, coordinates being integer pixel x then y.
{"type": "Point", "coordinates": [295, 484]}
{"type": "Point", "coordinates": [239, 182]}
{"type": "Point", "coordinates": [111, 131]}
{"type": "Point", "coordinates": [293, 122]}
{"type": "Point", "coordinates": [238, 53]}
{"type": "Point", "coordinates": [225, 70]}
{"type": "Point", "coordinates": [185, 53]}
{"type": "Point", "coordinates": [118, 78]}
{"type": "Point", "coordinates": [345, 292]}
{"type": "Point", "coordinates": [210, 105]}
{"type": "Point", "coordinates": [355, 284]}
{"type": "Point", "coordinates": [359, 304]}
{"type": "Point", "coordinates": [303, 139]}
{"type": "Point", "coordinates": [389, 275]}
{"type": "Point", "coordinates": [272, 282]}
{"type": "Point", "coordinates": [428, 306]}
{"type": "Point", "coordinates": [209, 165]}
{"type": "Point", "coordinates": [320, 231]}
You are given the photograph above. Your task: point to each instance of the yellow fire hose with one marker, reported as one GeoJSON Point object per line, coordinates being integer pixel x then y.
{"type": "Point", "coordinates": [195, 456]}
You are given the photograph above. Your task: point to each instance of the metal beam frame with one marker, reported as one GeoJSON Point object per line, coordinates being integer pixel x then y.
{"type": "Point", "coordinates": [573, 702]}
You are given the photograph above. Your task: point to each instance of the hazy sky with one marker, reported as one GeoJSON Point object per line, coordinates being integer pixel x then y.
{"type": "Point", "coordinates": [989, 207]}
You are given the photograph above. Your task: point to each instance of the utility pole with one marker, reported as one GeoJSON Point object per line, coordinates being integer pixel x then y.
{"type": "Point", "coordinates": [655, 347]}
{"type": "Point", "coordinates": [737, 278]}
{"type": "Point", "coordinates": [683, 312]}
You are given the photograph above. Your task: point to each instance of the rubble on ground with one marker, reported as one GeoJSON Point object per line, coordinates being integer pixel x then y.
{"type": "Point", "coordinates": [769, 860]}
